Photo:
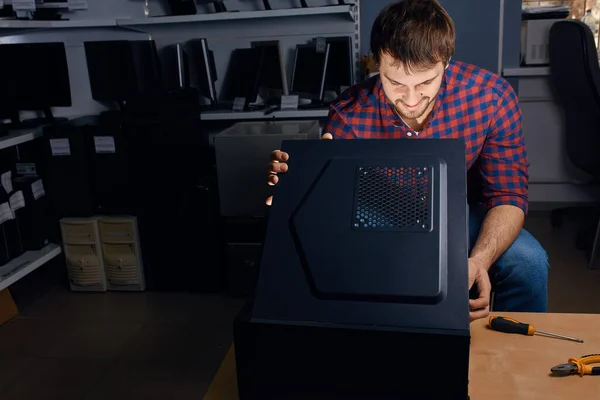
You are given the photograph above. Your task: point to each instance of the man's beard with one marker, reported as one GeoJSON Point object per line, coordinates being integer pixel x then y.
{"type": "Point", "coordinates": [415, 113]}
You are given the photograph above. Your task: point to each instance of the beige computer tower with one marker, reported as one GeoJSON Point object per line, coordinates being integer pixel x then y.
{"type": "Point", "coordinates": [83, 253]}
{"type": "Point", "coordinates": [121, 252]}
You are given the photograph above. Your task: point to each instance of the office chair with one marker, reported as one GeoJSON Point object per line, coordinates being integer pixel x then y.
{"type": "Point", "coordinates": [575, 74]}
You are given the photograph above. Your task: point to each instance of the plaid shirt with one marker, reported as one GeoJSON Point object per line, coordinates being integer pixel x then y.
{"type": "Point", "coordinates": [472, 103]}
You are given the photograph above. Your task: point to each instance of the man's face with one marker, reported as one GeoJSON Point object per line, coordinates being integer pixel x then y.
{"type": "Point", "coordinates": [413, 93]}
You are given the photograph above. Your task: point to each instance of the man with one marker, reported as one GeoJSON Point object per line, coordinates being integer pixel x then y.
{"type": "Point", "coordinates": [421, 93]}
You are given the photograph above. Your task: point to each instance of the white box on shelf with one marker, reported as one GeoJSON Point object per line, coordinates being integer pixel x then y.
{"type": "Point", "coordinates": [535, 41]}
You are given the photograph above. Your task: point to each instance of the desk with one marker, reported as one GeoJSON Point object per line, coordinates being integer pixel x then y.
{"type": "Point", "coordinates": [502, 366]}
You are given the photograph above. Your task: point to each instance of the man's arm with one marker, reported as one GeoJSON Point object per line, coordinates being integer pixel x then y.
{"type": "Point", "coordinates": [505, 177]}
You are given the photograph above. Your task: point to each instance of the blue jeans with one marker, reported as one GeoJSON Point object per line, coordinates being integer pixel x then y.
{"type": "Point", "coordinates": [520, 276]}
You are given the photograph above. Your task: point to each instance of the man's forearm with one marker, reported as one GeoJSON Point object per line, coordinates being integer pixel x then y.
{"type": "Point", "coordinates": [499, 230]}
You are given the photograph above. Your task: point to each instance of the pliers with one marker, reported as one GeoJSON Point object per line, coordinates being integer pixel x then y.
{"type": "Point", "coordinates": [579, 366]}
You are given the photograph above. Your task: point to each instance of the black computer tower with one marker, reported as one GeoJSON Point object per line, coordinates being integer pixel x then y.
{"type": "Point", "coordinates": [108, 149]}
{"type": "Point", "coordinates": [68, 176]}
{"type": "Point", "coordinates": [35, 220]}
{"type": "Point", "coordinates": [7, 229]}
{"type": "Point", "coordinates": [364, 276]}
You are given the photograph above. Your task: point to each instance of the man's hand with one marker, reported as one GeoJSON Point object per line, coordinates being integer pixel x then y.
{"type": "Point", "coordinates": [478, 274]}
{"type": "Point", "coordinates": [278, 165]}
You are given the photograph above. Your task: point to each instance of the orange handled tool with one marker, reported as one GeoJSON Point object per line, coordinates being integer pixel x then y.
{"type": "Point", "coordinates": [509, 325]}
{"type": "Point", "coordinates": [579, 366]}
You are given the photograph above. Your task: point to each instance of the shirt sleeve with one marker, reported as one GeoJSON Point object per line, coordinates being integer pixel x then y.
{"type": "Point", "coordinates": [504, 163]}
{"type": "Point", "coordinates": [337, 125]}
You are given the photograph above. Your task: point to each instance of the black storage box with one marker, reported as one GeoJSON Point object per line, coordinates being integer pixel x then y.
{"type": "Point", "coordinates": [68, 173]}
{"type": "Point", "coordinates": [34, 220]}
{"type": "Point", "coordinates": [363, 284]}
{"type": "Point", "coordinates": [10, 226]}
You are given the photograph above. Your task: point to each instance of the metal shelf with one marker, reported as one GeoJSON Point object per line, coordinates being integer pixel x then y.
{"type": "Point", "coordinates": [70, 24]}
{"type": "Point", "coordinates": [19, 137]}
{"type": "Point", "coordinates": [526, 71]}
{"type": "Point", "coordinates": [345, 10]}
{"type": "Point", "coordinates": [227, 115]}
{"type": "Point", "coordinates": [26, 264]}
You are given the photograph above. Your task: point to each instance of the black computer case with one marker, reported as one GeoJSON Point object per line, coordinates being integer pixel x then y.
{"type": "Point", "coordinates": [363, 286]}
{"type": "Point", "coordinates": [68, 167]}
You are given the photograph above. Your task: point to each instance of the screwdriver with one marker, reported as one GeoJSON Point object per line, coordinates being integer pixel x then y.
{"type": "Point", "coordinates": [509, 325]}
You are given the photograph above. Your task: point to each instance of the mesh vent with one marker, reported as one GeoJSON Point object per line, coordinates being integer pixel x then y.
{"type": "Point", "coordinates": [393, 198]}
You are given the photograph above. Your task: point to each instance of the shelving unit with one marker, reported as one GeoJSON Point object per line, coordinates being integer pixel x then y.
{"type": "Point", "coordinates": [19, 137]}
{"type": "Point", "coordinates": [226, 115]}
{"type": "Point", "coordinates": [31, 260]}
{"type": "Point", "coordinates": [70, 24]}
{"type": "Point", "coordinates": [345, 11]}
{"type": "Point", "coordinates": [526, 71]}
{"type": "Point", "coordinates": [26, 264]}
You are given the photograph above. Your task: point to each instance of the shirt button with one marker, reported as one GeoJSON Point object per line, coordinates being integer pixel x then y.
{"type": "Point", "coordinates": [409, 134]}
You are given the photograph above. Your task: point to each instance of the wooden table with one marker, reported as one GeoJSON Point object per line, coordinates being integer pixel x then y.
{"type": "Point", "coordinates": [502, 366]}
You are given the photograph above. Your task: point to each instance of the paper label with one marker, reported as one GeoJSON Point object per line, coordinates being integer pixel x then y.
{"type": "Point", "coordinates": [239, 103]}
{"type": "Point", "coordinates": [6, 213]}
{"type": "Point", "coordinates": [37, 188]}
{"type": "Point", "coordinates": [6, 179]}
{"type": "Point", "coordinates": [17, 201]}
{"type": "Point", "coordinates": [77, 5]}
{"type": "Point", "coordinates": [23, 5]}
{"type": "Point", "coordinates": [26, 169]}
{"type": "Point", "coordinates": [289, 102]}
{"type": "Point", "coordinates": [321, 45]}
{"type": "Point", "coordinates": [105, 144]}
{"type": "Point", "coordinates": [60, 147]}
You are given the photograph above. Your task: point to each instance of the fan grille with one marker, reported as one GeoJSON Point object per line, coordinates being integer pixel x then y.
{"type": "Point", "coordinates": [393, 198]}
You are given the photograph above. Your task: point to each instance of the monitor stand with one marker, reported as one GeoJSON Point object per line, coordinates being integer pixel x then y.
{"type": "Point", "coordinates": [219, 6]}
{"type": "Point", "coordinates": [312, 105]}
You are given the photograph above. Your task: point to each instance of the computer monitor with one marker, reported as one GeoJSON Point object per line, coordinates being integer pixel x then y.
{"type": "Point", "coordinates": [182, 7]}
{"type": "Point", "coordinates": [119, 70]}
{"type": "Point", "coordinates": [340, 71]}
{"type": "Point", "coordinates": [175, 67]}
{"type": "Point", "coordinates": [244, 75]}
{"type": "Point", "coordinates": [35, 77]}
{"type": "Point", "coordinates": [308, 77]}
{"type": "Point", "coordinates": [273, 75]}
{"type": "Point", "coordinates": [364, 270]}
{"type": "Point", "coordinates": [204, 71]}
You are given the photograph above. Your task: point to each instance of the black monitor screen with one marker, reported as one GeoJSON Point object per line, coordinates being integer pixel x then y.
{"type": "Point", "coordinates": [204, 73]}
{"type": "Point", "coordinates": [309, 70]}
{"type": "Point", "coordinates": [121, 69]}
{"type": "Point", "coordinates": [339, 64]}
{"type": "Point", "coordinates": [34, 76]}
{"type": "Point", "coordinates": [273, 75]}
{"type": "Point", "coordinates": [243, 74]}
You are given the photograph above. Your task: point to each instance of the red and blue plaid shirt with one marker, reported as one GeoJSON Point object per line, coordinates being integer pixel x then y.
{"type": "Point", "coordinates": [473, 103]}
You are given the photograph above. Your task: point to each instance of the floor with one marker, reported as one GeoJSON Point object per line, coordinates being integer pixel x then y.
{"type": "Point", "coordinates": [169, 345]}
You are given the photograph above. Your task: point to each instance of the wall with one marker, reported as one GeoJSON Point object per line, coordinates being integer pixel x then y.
{"type": "Point", "coordinates": [477, 29]}
{"type": "Point", "coordinates": [222, 36]}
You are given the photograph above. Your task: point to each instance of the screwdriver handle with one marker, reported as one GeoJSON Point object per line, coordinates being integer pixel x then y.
{"type": "Point", "coordinates": [509, 325]}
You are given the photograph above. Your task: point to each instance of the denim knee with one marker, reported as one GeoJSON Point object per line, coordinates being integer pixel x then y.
{"type": "Point", "coordinates": [525, 261]}
{"type": "Point", "coordinates": [520, 276]}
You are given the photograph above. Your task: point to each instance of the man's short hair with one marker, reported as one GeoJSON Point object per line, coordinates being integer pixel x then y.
{"type": "Point", "coordinates": [416, 33]}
